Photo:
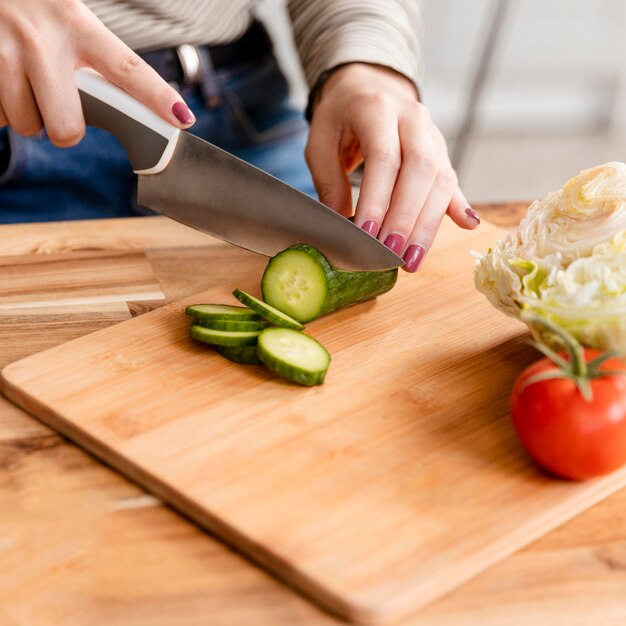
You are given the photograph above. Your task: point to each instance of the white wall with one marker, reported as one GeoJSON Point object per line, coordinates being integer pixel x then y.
{"type": "Point", "coordinates": [556, 68]}
{"type": "Point", "coordinates": [554, 102]}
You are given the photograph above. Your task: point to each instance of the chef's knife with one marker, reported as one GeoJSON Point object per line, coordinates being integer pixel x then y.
{"type": "Point", "coordinates": [194, 182]}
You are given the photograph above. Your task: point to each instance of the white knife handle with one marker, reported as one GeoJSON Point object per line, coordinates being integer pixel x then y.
{"type": "Point", "coordinates": [147, 138]}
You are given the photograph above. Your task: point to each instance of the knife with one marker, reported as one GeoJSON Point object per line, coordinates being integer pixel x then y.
{"type": "Point", "coordinates": [194, 182]}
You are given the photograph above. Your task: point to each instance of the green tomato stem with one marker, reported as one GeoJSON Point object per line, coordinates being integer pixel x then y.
{"type": "Point", "coordinates": [593, 366]}
{"type": "Point", "coordinates": [551, 354]}
{"type": "Point", "coordinates": [576, 368]}
{"type": "Point", "coordinates": [577, 364]}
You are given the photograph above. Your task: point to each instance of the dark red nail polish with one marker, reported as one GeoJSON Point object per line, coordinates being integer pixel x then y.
{"type": "Point", "coordinates": [394, 242]}
{"type": "Point", "coordinates": [370, 227]}
{"type": "Point", "coordinates": [183, 113]}
{"type": "Point", "coordinates": [413, 258]}
{"type": "Point", "coordinates": [472, 214]}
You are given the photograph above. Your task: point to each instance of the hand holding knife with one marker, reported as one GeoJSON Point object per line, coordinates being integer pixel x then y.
{"type": "Point", "coordinates": [194, 182]}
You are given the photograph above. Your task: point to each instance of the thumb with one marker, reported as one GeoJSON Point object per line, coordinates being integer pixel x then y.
{"type": "Point", "coordinates": [331, 181]}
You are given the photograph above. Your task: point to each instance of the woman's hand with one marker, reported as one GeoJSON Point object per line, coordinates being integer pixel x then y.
{"type": "Point", "coordinates": [366, 113]}
{"type": "Point", "coordinates": [42, 43]}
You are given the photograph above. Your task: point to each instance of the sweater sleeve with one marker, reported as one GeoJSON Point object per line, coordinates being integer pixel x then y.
{"type": "Point", "coordinates": [330, 33]}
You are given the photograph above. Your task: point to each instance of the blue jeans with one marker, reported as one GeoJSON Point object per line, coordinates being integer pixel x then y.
{"type": "Point", "coordinates": [39, 182]}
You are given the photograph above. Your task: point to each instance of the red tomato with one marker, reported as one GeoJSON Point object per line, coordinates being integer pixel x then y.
{"type": "Point", "coordinates": [566, 434]}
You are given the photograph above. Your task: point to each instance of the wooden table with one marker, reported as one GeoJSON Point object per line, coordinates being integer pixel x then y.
{"type": "Point", "coordinates": [80, 545]}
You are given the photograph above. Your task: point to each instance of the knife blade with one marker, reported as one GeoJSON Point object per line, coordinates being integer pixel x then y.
{"type": "Point", "coordinates": [194, 182]}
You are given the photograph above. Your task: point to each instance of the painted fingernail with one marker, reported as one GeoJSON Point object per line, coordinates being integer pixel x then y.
{"type": "Point", "coordinates": [472, 214]}
{"type": "Point", "coordinates": [394, 242]}
{"type": "Point", "coordinates": [413, 258]}
{"type": "Point", "coordinates": [183, 113]}
{"type": "Point", "coordinates": [370, 227]}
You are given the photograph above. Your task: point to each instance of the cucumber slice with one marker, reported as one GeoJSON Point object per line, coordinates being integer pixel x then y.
{"type": "Point", "coordinates": [294, 355]}
{"type": "Point", "coordinates": [220, 312]}
{"type": "Point", "coordinates": [301, 282]}
{"type": "Point", "coordinates": [232, 325]}
{"type": "Point", "coordinates": [224, 337]}
{"type": "Point", "coordinates": [246, 355]}
{"type": "Point", "coordinates": [266, 311]}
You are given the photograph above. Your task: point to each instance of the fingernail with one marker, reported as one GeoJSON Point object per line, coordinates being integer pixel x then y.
{"type": "Point", "coordinates": [183, 113]}
{"type": "Point", "coordinates": [413, 258]}
{"type": "Point", "coordinates": [370, 227]}
{"type": "Point", "coordinates": [472, 214]}
{"type": "Point", "coordinates": [395, 242]}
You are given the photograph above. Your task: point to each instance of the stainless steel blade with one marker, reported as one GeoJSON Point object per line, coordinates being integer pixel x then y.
{"type": "Point", "coordinates": [215, 192]}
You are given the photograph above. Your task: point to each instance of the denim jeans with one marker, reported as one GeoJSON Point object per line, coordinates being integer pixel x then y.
{"type": "Point", "coordinates": [39, 182]}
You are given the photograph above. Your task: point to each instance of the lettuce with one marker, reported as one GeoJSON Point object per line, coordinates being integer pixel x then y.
{"type": "Point", "coordinates": [567, 260]}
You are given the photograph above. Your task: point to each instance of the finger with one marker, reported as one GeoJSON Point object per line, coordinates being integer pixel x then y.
{"type": "Point", "coordinates": [331, 182]}
{"type": "Point", "coordinates": [420, 164]}
{"type": "Point", "coordinates": [428, 221]}
{"type": "Point", "coordinates": [19, 105]}
{"type": "Point", "coordinates": [57, 96]}
{"type": "Point", "coordinates": [461, 212]}
{"type": "Point", "coordinates": [126, 69]}
{"type": "Point", "coordinates": [380, 146]}
{"type": "Point", "coordinates": [3, 118]}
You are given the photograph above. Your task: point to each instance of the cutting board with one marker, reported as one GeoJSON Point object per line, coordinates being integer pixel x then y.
{"type": "Point", "coordinates": [381, 490]}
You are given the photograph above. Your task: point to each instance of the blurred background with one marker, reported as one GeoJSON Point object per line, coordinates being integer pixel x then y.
{"type": "Point", "coordinates": [527, 92]}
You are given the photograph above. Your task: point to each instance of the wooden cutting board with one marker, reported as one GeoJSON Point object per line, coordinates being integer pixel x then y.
{"type": "Point", "coordinates": [383, 489]}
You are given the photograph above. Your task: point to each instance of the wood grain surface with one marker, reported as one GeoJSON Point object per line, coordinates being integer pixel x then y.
{"type": "Point", "coordinates": [107, 235]}
{"type": "Point", "coordinates": [76, 278]}
{"type": "Point", "coordinates": [82, 546]}
{"type": "Point", "coordinates": [53, 297]}
{"type": "Point", "coordinates": [26, 330]}
{"type": "Point", "coordinates": [373, 498]}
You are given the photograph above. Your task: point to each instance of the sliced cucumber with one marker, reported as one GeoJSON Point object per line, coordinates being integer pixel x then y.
{"type": "Point", "coordinates": [220, 312]}
{"type": "Point", "coordinates": [246, 355]}
{"type": "Point", "coordinates": [266, 311]}
{"type": "Point", "coordinates": [224, 337]}
{"type": "Point", "coordinates": [302, 283]}
{"type": "Point", "coordinates": [294, 355]}
{"type": "Point", "coordinates": [233, 325]}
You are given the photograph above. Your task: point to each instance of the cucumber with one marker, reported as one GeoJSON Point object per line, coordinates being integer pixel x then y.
{"type": "Point", "coordinates": [217, 324]}
{"type": "Point", "coordinates": [266, 311]}
{"type": "Point", "coordinates": [301, 282]}
{"type": "Point", "coordinates": [220, 312]}
{"type": "Point", "coordinates": [294, 355]}
{"type": "Point", "coordinates": [225, 337]}
{"type": "Point", "coordinates": [246, 355]}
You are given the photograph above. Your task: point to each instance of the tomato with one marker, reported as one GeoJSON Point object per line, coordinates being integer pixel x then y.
{"type": "Point", "coordinates": [569, 435]}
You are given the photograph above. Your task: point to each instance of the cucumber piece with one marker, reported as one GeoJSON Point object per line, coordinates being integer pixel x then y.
{"type": "Point", "coordinates": [220, 312]}
{"type": "Point", "coordinates": [246, 355]}
{"type": "Point", "coordinates": [266, 311]}
{"type": "Point", "coordinates": [232, 325]}
{"type": "Point", "coordinates": [301, 282]}
{"type": "Point", "coordinates": [294, 355]}
{"type": "Point", "coordinates": [224, 337]}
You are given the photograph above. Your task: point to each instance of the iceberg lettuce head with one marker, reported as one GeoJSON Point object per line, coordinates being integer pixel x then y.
{"type": "Point", "coordinates": [567, 260]}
